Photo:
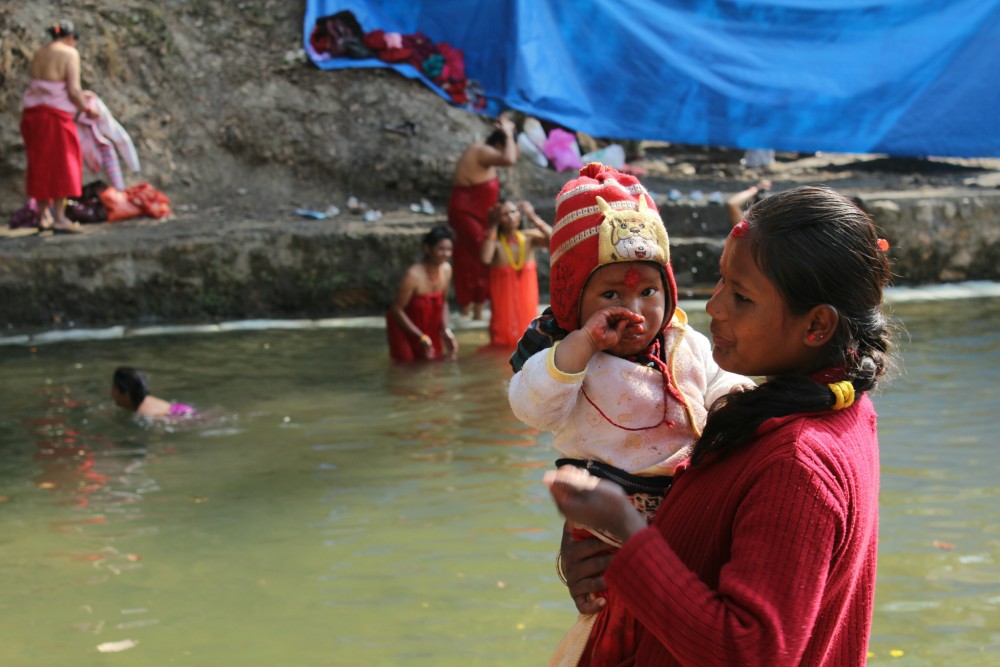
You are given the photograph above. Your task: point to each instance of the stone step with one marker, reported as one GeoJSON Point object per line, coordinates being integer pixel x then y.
{"type": "Point", "coordinates": [192, 269]}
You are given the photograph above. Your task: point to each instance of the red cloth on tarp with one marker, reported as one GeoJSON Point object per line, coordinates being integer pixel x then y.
{"type": "Point", "coordinates": [55, 161]}
{"type": "Point", "coordinates": [513, 303]}
{"type": "Point", "coordinates": [468, 215]}
{"type": "Point", "coordinates": [424, 310]}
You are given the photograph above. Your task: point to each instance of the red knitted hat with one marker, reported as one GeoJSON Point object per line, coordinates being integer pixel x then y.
{"type": "Point", "coordinates": [603, 216]}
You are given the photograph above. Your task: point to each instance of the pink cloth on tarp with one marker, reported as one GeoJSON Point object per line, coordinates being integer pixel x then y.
{"type": "Point", "coordinates": [562, 150]}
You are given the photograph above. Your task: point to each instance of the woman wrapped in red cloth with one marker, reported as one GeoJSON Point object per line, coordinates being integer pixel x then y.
{"type": "Point", "coordinates": [417, 321]}
{"type": "Point", "coordinates": [475, 188]}
{"type": "Point", "coordinates": [52, 99]}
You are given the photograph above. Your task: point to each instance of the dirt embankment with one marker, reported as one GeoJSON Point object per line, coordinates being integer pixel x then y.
{"type": "Point", "coordinates": [222, 114]}
{"type": "Point", "coordinates": [230, 123]}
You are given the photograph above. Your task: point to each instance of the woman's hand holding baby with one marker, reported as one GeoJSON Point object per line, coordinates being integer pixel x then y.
{"type": "Point", "coordinates": [594, 503]}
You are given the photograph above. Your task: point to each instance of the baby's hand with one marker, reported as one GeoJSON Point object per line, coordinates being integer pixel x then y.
{"type": "Point", "coordinates": [607, 326]}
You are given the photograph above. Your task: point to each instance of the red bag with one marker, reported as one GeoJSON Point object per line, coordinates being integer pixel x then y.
{"type": "Point", "coordinates": [149, 200]}
{"type": "Point", "coordinates": [118, 205]}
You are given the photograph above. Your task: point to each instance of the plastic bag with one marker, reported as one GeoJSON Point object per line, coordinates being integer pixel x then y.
{"type": "Point", "coordinates": [149, 200]}
{"type": "Point", "coordinates": [118, 205]}
{"type": "Point", "coordinates": [612, 155]}
{"type": "Point", "coordinates": [530, 150]}
{"type": "Point", "coordinates": [534, 131]}
{"type": "Point", "coordinates": [561, 148]}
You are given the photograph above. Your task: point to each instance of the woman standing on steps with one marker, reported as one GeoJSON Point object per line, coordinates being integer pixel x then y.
{"type": "Point", "coordinates": [417, 321]}
{"type": "Point", "coordinates": [53, 98]}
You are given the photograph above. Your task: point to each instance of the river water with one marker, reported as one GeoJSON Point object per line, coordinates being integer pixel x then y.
{"type": "Point", "coordinates": [329, 509]}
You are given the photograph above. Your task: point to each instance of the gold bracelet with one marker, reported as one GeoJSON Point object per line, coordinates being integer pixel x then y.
{"type": "Point", "coordinates": [559, 568]}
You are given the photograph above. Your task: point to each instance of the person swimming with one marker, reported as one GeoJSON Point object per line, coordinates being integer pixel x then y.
{"type": "Point", "coordinates": [130, 390]}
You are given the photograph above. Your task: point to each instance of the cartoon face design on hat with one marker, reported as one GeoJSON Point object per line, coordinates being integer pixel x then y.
{"type": "Point", "coordinates": [631, 236]}
{"type": "Point", "coordinates": [604, 216]}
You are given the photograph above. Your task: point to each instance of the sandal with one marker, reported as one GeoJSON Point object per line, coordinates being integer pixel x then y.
{"type": "Point", "coordinates": [72, 229]}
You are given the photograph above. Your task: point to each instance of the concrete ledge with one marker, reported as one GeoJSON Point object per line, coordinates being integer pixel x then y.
{"type": "Point", "coordinates": [194, 270]}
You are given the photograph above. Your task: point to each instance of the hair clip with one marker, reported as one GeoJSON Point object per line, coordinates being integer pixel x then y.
{"type": "Point", "coordinates": [843, 393]}
{"type": "Point", "coordinates": [883, 245]}
{"type": "Point", "coordinates": [740, 229]}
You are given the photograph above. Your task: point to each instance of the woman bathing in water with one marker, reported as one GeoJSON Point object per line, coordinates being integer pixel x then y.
{"type": "Point", "coordinates": [417, 321]}
{"type": "Point", "coordinates": [130, 390]}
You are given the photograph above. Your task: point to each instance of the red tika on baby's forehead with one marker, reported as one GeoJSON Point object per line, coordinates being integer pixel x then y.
{"type": "Point", "coordinates": [740, 230]}
{"type": "Point", "coordinates": [631, 278]}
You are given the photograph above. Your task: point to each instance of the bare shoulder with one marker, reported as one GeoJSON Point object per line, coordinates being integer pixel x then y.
{"type": "Point", "coordinates": [416, 272]}
{"type": "Point", "coordinates": [65, 52]}
{"type": "Point", "coordinates": [536, 236]}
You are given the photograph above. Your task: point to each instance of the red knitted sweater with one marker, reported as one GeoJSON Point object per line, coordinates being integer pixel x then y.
{"type": "Point", "coordinates": [765, 558]}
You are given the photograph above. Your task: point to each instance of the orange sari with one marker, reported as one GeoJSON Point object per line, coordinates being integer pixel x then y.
{"type": "Point", "coordinates": [513, 302]}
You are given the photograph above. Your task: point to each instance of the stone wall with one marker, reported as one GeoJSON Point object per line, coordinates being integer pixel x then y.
{"type": "Point", "coordinates": [185, 270]}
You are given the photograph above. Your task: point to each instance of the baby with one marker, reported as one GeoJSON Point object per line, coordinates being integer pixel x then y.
{"type": "Point", "coordinates": [626, 384]}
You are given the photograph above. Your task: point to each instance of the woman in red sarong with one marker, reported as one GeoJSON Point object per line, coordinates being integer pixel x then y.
{"type": "Point", "coordinates": [54, 96]}
{"type": "Point", "coordinates": [510, 254]}
{"type": "Point", "coordinates": [475, 188]}
{"type": "Point", "coordinates": [417, 321]}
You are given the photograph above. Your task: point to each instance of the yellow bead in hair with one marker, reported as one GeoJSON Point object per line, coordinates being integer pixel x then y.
{"type": "Point", "coordinates": [844, 393]}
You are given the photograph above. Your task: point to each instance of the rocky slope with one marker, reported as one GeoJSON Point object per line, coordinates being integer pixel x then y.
{"type": "Point", "coordinates": [223, 114]}
{"type": "Point", "coordinates": [229, 122]}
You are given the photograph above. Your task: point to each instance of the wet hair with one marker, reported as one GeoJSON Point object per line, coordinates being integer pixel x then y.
{"type": "Point", "coordinates": [438, 234]}
{"type": "Point", "coordinates": [503, 201]}
{"type": "Point", "coordinates": [816, 247]}
{"type": "Point", "coordinates": [132, 383]}
{"type": "Point", "coordinates": [63, 29]}
{"type": "Point", "coordinates": [497, 139]}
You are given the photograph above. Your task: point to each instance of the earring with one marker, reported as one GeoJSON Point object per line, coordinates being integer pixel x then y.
{"type": "Point", "coordinates": [811, 336]}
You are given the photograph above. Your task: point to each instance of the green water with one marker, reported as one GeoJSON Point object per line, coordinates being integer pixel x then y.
{"type": "Point", "coordinates": [334, 510]}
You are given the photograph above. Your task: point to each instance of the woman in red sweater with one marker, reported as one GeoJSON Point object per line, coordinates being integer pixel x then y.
{"type": "Point", "coordinates": [764, 550]}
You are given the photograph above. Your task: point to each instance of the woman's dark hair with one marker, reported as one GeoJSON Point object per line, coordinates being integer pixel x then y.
{"type": "Point", "coordinates": [497, 139]}
{"type": "Point", "coordinates": [63, 29]}
{"type": "Point", "coordinates": [132, 383]}
{"type": "Point", "coordinates": [816, 247]}
{"type": "Point", "coordinates": [438, 234]}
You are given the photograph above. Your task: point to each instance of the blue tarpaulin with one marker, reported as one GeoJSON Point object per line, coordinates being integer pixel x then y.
{"type": "Point", "coordinates": [900, 77]}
